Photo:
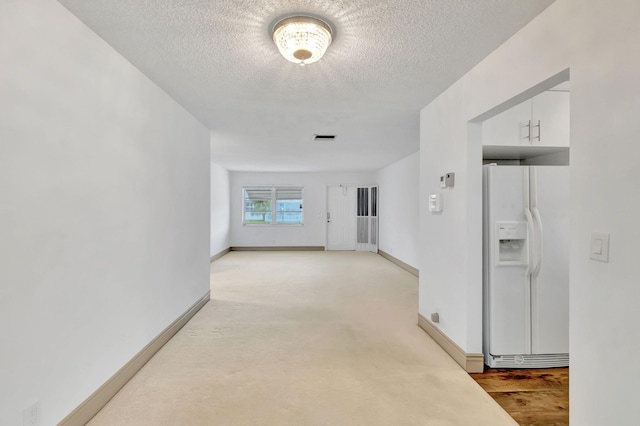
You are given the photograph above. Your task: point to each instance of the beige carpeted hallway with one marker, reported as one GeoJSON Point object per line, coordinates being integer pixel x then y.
{"type": "Point", "coordinates": [304, 338]}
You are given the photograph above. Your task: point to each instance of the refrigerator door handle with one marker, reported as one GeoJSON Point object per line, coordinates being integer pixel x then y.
{"type": "Point", "coordinates": [538, 240]}
{"type": "Point", "coordinates": [531, 252]}
{"type": "Point", "coordinates": [533, 194]}
{"type": "Point", "coordinates": [531, 237]}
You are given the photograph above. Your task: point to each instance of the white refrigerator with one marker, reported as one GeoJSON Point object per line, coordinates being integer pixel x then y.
{"type": "Point", "coordinates": [526, 266]}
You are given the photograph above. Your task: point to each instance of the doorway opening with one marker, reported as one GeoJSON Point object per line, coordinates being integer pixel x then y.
{"type": "Point", "coordinates": [352, 217]}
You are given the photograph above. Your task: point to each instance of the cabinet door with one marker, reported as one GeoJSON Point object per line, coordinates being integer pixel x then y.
{"type": "Point", "coordinates": [552, 109]}
{"type": "Point", "coordinates": [508, 128]}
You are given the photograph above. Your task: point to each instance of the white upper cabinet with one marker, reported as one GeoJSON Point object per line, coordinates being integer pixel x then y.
{"type": "Point", "coordinates": [540, 121]}
{"type": "Point", "coordinates": [508, 128]}
{"type": "Point", "coordinates": [550, 112]}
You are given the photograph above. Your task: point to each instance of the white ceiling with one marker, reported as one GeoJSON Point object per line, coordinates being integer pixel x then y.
{"type": "Point", "coordinates": [388, 60]}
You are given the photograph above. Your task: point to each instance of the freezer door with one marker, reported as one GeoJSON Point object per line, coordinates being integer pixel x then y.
{"type": "Point", "coordinates": [506, 288]}
{"type": "Point", "coordinates": [550, 286]}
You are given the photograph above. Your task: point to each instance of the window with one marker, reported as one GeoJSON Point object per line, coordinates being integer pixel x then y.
{"type": "Point", "coordinates": [258, 206]}
{"type": "Point", "coordinates": [272, 205]}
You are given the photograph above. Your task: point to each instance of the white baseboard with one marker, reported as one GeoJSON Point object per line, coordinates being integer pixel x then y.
{"type": "Point", "coordinates": [279, 248]}
{"type": "Point", "coordinates": [94, 403]}
{"type": "Point", "coordinates": [219, 255]}
{"type": "Point", "coordinates": [472, 363]}
{"type": "Point", "coordinates": [400, 263]}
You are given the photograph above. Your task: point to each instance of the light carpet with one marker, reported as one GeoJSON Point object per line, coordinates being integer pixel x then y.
{"type": "Point", "coordinates": [304, 338]}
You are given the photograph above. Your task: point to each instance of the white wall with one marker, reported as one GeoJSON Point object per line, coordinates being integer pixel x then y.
{"type": "Point", "coordinates": [220, 209]}
{"type": "Point", "coordinates": [597, 41]}
{"type": "Point", "coordinates": [104, 215]}
{"type": "Point", "coordinates": [313, 233]}
{"type": "Point", "coordinates": [399, 213]}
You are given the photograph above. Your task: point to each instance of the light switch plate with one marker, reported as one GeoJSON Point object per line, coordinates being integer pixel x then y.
{"type": "Point", "coordinates": [599, 248]}
{"type": "Point", "coordinates": [435, 203]}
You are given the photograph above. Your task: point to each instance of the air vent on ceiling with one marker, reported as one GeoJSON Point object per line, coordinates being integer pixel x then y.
{"type": "Point", "coordinates": [324, 137]}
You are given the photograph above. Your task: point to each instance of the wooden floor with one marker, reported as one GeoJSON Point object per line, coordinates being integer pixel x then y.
{"type": "Point", "coordinates": [535, 397]}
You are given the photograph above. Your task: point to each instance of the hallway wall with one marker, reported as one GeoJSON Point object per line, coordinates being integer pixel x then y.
{"type": "Point", "coordinates": [104, 216]}
{"type": "Point", "coordinates": [220, 210]}
{"type": "Point", "coordinates": [597, 41]}
{"type": "Point", "coordinates": [400, 209]}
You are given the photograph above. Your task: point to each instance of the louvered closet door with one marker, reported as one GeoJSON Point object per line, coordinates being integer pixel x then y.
{"type": "Point", "coordinates": [367, 219]}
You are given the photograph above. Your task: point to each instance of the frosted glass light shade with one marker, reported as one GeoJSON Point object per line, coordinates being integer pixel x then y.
{"type": "Point", "coordinates": [302, 39]}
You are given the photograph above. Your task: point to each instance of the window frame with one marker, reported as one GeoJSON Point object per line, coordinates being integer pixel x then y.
{"type": "Point", "coordinates": [274, 204]}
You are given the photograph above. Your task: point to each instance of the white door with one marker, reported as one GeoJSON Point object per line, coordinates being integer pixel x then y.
{"type": "Point", "coordinates": [341, 218]}
{"type": "Point", "coordinates": [550, 286]}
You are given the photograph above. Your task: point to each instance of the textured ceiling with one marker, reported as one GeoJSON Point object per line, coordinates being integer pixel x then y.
{"type": "Point", "coordinates": [387, 61]}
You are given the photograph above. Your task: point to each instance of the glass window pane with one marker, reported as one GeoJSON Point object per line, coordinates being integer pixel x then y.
{"type": "Point", "coordinates": [253, 218]}
{"type": "Point", "coordinates": [289, 206]}
{"type": "Point", "coordinates": [257, 206]}
{"type": "Point", "coordinates": [289, 218]}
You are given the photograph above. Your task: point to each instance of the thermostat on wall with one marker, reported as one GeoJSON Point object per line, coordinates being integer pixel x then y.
{"type": "Point", "coordinates": [447, 180]}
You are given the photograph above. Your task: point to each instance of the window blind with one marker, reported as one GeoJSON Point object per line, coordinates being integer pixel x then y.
{"type": "Point", "coordinates": [288, 193]}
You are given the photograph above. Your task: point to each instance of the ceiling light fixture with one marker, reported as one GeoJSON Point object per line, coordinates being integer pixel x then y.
{"type": "Point", "coordinates": [302, 39]}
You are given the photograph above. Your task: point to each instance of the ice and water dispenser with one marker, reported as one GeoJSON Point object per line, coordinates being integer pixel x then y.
{"type": "Point", "coordinates": [512, 243]}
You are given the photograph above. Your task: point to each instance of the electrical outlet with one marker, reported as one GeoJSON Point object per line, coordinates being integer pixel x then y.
{"type": "Point", "coordinates": [31, 415]}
